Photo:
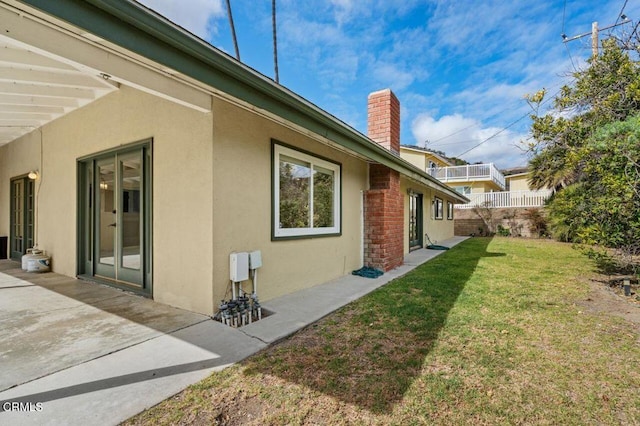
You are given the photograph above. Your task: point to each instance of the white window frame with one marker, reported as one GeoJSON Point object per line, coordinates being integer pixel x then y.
{"type": "Point", "coordinates": [463, 190]}
{"type": "Point", "coordinates": [336, 168]}
{"type": "Point", "coordinates": [449, 210]}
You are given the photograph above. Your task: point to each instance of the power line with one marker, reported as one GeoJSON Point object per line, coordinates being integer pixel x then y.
{"type": "Point", "coordinates": [233, 30]}
{"type": "Point", "coordinates": [621, 12]}
{"type": "Point", "coordinates": [570, 57]}
{"type": "Point", "coordinates": [505, 128]}
{"type": "Point", "coordinates": [494, 135]}
{"type": "Point", "coordinates": [433, 142]}
{"type": "Point", "coordinates": [564, 11]}
{"type": "Point", "coordinates": [275, 41]}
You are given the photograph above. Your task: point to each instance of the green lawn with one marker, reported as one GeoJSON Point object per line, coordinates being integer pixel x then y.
{"type": "Point", "coordinates": [494, 331]}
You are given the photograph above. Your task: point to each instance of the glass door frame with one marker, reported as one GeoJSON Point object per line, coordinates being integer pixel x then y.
{"type": "Point", "coordinates": [87, 241]}
{"type": "Point", "coordinates": [27, 219]}
{"type": "Point", "coordinates": [416, 215]}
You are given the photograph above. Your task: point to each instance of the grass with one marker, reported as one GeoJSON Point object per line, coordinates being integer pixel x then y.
{"type": "Point", "coordinates": [492, 332]}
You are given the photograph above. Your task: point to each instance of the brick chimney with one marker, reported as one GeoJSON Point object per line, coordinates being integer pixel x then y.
{"type": "Point", "coordinates": [383, 119]}
{"type": "Point", "coordinates": [384, 203]}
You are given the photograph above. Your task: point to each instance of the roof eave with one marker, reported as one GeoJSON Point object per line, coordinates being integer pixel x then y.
{"type": "Point", "coordinates": [133, 27]}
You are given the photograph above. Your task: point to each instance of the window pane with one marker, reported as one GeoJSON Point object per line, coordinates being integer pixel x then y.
{"type": "Point", "coordinates": [323, 187]}
{"type": "Point", "coordinates": [295, 183]}
{"type": "Point", "coordinates": [130, 186]}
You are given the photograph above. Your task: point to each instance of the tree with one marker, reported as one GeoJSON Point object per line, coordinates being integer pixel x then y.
{"type": "Point", "coordinates": [588, 149]}
{"type": "Point", "coordinates": [606, 92]}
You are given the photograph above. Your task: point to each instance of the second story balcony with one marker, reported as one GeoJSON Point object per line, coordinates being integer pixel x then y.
{"type": "Point", "coordinates": [469, 173]}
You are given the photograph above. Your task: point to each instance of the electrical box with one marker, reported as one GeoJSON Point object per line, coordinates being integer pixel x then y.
{"type": "Point", "coordinates": [255, 259]}
{"type": "Point", "coordinates": [239, 267]}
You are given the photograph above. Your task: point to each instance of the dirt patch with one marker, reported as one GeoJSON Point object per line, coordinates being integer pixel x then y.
{"type": "Point", "coordinates": [607, 296]}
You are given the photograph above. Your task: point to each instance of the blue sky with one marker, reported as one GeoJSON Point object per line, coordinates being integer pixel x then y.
{"type": "Point", "coordinates": [459, 68]}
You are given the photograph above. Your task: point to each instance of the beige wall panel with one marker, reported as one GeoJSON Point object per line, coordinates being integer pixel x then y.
{"type": "Point", "coordinates": [437, 229]}
{"type": "Point", "coordinates": [242, 207]}
{"type": "Point", "coordinates": [519, 183]}
{"type": "Point", "coordinates": [415, 158]}
{"type": "Point", "coordinates": [479, 187]}
{"type": "Point", "coordinates": [182, 180]}
{"type": "Point", "coordinates": [16, 159]}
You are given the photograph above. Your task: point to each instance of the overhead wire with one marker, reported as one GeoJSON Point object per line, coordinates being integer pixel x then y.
{"type": "Point", "coordinates": [506, 128]}
{"type": "Point", "coordinates": [564, 11]}
{"type": "Point", "coordinates": [499, 113]}
{"type": "Point", "coordinates": [494, 135]}
{"type": "Point", "coordinates": [621, 12]}
{"type": "Point", "coordinates": [434, 142]}
{"type": "Point", "coordinates": [564, 14]}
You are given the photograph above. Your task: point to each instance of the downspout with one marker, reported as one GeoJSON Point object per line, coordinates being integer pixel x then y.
{"type": "Point", "coordinates": [37, 185]}
{"type": "Point", "coordinates": [213, 193]}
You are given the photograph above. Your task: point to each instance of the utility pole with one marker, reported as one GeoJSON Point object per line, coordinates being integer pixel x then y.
{"type": "Point", "coordinates": [594, 34]}
{"type": "Point", "coordinates": [594, 39]}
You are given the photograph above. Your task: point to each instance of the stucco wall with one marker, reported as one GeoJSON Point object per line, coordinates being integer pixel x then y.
{"type": "Point", "coordinates": [438, 230]}
{"type": "Point", "coordinates": [417, 159]}
{"type": "Point", "coordinates": [182, 185]}
{"type": "Point", "coordinates": [518, 183]}
{"type": "Point", "coordinates": [242, 207]}
{"type": "Point", "coordinates": [420, 159]}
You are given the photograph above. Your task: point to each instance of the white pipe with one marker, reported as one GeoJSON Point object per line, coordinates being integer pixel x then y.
{"type": "Point", "coordinates": [255, 281]}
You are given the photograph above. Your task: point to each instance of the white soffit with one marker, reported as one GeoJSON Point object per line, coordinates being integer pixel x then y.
{"type": "Point", "coordinates": [36, 88]}
{"type": "Point", "coordinates": [48, 69]}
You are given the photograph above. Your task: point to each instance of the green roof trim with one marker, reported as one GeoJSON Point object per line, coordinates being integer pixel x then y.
{"type": "Point", "coordinates": [138, 29]}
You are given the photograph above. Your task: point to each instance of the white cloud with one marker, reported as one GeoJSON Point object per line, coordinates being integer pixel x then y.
{"type": "Point", "coordinates": [456, 134]}
{"type": "Point", "coordinates": [391, 75]}
{"type": "Point", "coordinates": [194, 15]}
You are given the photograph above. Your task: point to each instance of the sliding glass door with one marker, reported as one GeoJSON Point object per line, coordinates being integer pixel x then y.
{"type": "Point", "coordinates": [115, 218]}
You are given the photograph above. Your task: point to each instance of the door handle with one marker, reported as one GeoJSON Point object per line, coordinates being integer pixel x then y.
{"type": "Point", "coordinates": [112, 224]}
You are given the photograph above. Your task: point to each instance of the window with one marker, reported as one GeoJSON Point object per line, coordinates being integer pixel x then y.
{"type": "Point", "coordinates": [463, 190]}
{"type": "Point", "coordinates": [449, 210]}
{"type": "Point", "coordinates": [306, 194]}
{"type": "Point", "coordinates": [437, 208]}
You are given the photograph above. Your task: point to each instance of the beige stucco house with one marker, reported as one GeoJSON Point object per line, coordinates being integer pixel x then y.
{"type": "Point", "coordinates": [422, 158]}
{"type": "Point", "coordinates": [137, 155]}
{"type": "Point", "coordinates": [517, 179]}
{"type": "Point", "coordinates": [467, 179]}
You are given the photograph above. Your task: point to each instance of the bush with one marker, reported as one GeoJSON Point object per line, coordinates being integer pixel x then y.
{"type": "Point", "coordinates": [537, 223]}
{"type": "Point", "coordinates": [503, 232]}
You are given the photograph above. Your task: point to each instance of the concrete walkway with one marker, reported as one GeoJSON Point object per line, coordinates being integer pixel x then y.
{"type": "Point", "coordinates": [73, 353]}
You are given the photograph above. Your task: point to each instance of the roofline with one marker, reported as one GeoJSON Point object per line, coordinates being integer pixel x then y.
{"type": "Point", "coordinates": [136, 28]}
{"type": "Point", "coordinates": [516, 175]}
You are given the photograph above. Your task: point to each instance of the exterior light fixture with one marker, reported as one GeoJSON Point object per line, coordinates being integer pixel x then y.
{"type": "Point", "coordinates": [33, 175]}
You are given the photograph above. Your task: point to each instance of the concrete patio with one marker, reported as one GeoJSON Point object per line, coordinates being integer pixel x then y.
{"type": "Point", "coordinates": [92, 354]}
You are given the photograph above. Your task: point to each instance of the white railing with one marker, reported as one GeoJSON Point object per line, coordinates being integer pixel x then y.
{"type": "Point", "coordinates": [470, 172]}
{"type": "Point", "coordinates": [507, 199]}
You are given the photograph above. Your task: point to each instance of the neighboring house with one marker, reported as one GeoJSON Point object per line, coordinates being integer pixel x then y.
{"type": "Point", "coordinates": [422, 158]}
{"type": "Point", "coordinates": [157, 156]}
{"type": "Point", "coordinates": [517, 178]}
{"type": "Point", "coordinates": [483, 184]}
{"type": "Point", "coordinates": [466, 180]}
{"type": "Point", "coordinates": [471, 178]}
